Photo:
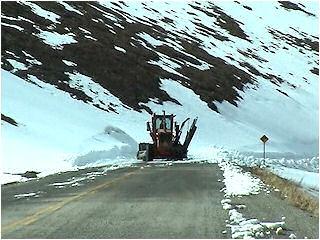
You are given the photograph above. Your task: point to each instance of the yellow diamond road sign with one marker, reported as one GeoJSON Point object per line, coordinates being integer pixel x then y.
{"type": "Point", "coordinates": [264, 138]}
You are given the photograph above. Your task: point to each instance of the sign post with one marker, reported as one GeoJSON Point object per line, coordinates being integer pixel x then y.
{"type": "Point", "coordinates": [264, 139]}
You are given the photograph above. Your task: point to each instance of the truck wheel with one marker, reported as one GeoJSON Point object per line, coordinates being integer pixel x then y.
{"type": "Point", "coordinates": [147, 153]}
{"type": "Point", "coordinates": [150, 152]}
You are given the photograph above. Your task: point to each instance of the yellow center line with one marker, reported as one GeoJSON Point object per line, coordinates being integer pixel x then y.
{"type": "Point", "coordinates": [34, 217]}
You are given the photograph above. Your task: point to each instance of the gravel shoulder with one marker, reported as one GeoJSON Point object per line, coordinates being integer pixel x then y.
{"type": "Point", "coordinates": [269, 207]}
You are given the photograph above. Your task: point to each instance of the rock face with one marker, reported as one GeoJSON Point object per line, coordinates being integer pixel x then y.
{"type": "Point", "coordinates": [128, 52]}
{"type": "Point", "coordinates": [9, 120]}
{"type": "Point", "coordinates": [30, 174]}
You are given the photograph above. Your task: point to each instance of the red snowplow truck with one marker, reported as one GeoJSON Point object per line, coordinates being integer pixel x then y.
{"type": "Point", "coordinates": [165, 134]}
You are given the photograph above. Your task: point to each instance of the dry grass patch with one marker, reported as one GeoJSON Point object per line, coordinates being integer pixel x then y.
{"type": "Point", "coordinates": [289, 191]}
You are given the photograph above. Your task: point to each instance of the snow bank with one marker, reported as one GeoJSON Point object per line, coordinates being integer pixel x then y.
{"type": "Point", "coordinates": [119, 144]}
{"type": "Point", "coordinates": [306, 179]}
{"type": "Point", "coordinates": [303, 171]}
{"type": "Point", "coordinates": [278, 159]}
{"type": "Point", "coordinates": [56, 132]}
{"type": "Point", "coordinates": [9, 178]}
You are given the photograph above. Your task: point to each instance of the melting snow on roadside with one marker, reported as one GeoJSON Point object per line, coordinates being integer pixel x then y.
{"type": "Point", "coordinates": [73, 182]}
{"type": "Point", "coordinates": [239, 183]}
{"type": "Point", "coordinates": [27, 195]}
{"type": "Point", "coordinates": [76, 181]}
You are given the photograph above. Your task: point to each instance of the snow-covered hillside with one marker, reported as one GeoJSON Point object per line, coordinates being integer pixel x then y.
{"type": "Point", "coordinates": [79, 80]}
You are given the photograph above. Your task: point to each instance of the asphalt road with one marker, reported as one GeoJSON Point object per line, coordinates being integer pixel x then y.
{"type": "Point", "coordinates": [154, 201]}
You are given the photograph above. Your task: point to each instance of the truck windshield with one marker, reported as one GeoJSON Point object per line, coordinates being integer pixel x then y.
{"type": "Point", "coordinates": [163, 123]}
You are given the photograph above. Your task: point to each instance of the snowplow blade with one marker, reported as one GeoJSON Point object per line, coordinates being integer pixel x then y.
{"type": "Point", "coordinates": [190, 134]}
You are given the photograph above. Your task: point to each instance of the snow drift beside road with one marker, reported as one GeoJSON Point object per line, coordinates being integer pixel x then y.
{"type": "Point", "coordinates": [56, 132]}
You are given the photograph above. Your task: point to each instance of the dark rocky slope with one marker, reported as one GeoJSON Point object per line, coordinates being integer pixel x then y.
{"type": "Point", "coordinates": [131, 76]}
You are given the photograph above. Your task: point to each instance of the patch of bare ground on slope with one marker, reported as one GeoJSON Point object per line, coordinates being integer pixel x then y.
{"type": "Point", "coordinates": [9, 120]}
{"type": "Point", "coordinates": [294, 6]}
{"type": "Point", "coordinates": [305, 42]}
{"type": "Point", "coordinates": [289, 191]}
